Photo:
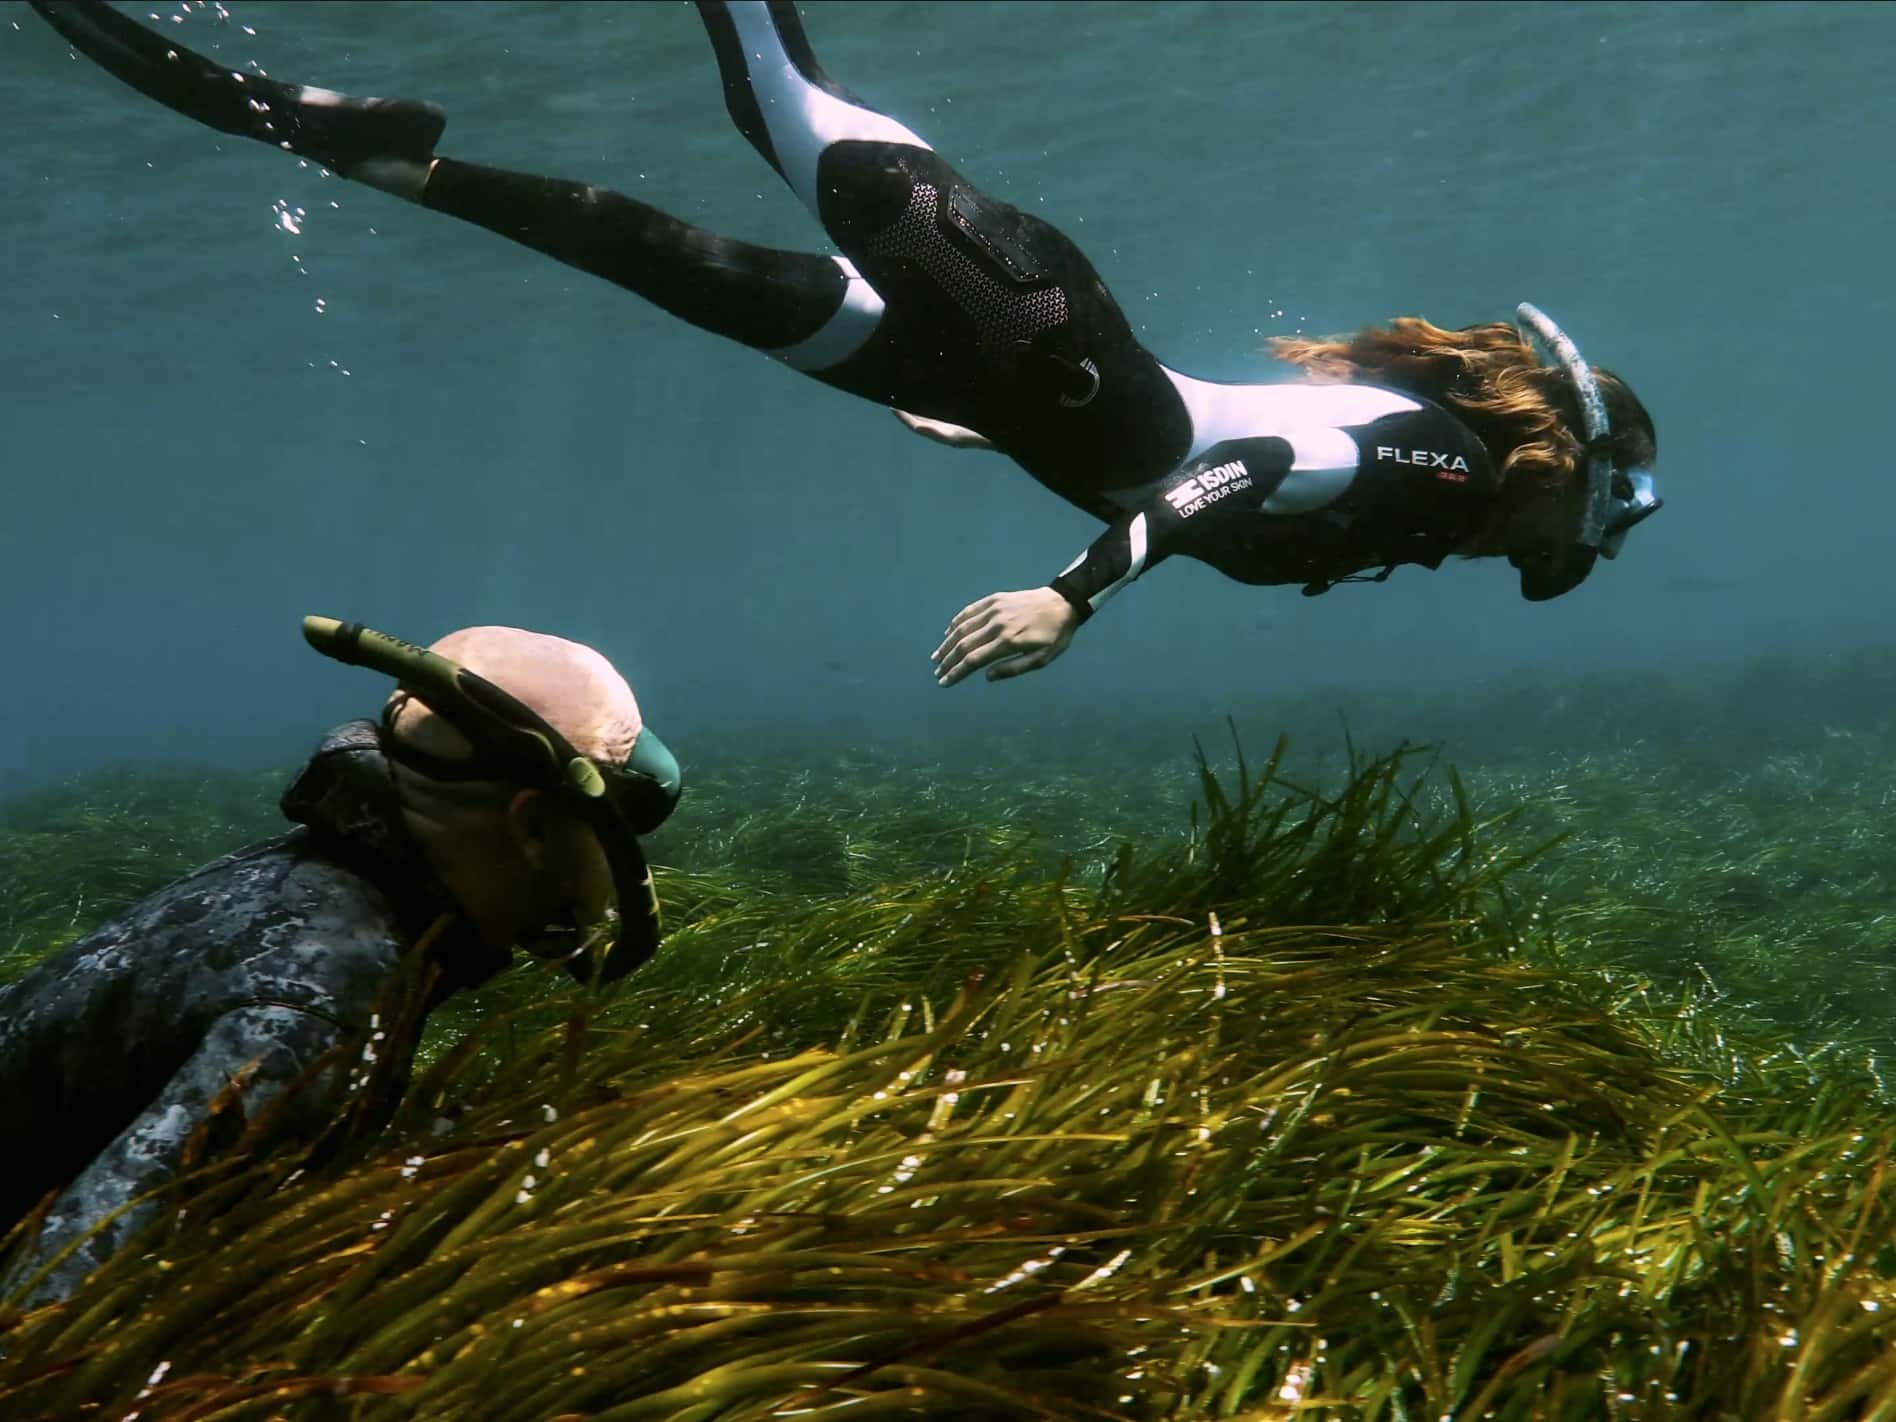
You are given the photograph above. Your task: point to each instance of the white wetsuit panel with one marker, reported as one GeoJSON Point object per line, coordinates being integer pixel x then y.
{"type": "Point", "coordinates": [802, 119]}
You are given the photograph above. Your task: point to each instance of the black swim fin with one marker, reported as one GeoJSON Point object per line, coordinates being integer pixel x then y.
{"type": "Point", "coordinates": [319, 124]}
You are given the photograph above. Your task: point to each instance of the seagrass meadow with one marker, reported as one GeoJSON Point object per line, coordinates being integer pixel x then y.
{"type": "Point", "coordinates": [1332, 1083]}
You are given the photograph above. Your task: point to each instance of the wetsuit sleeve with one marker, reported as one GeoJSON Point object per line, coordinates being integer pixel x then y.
{"type": "Point", "coordinates": [1230, 481]}
{"type": "Point", "coordinates": [279, 1043]}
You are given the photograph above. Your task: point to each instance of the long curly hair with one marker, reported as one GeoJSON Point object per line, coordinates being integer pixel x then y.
{"type": "Point", "coordinates": [1525, 413]}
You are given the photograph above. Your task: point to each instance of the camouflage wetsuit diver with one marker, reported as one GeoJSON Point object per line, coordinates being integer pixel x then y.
{"type": "Point", "coordinates": [982, 323]}
{"type": "Point", "coordinates": [114, 1048]}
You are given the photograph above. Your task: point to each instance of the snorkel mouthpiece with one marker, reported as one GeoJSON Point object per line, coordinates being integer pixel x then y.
{"type": "Point", "coordinates": [503, 728]}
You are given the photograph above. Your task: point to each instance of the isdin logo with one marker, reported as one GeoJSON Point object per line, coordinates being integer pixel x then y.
{"type": "Point", "coordinates": [1188, 496]}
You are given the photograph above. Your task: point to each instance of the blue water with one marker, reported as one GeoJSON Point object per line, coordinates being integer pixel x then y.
{"type": "Point", "coordinates": [213, 425]}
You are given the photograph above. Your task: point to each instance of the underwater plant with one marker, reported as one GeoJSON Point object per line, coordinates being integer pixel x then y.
{"type": "Point", "coordinates": [1300, 1110]}
{"type": "Point", "coordinates": [73, 854]}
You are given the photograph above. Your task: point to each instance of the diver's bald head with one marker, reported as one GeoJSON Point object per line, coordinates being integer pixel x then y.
{"type": "Point", "coordinates": [511, 855]}
{"type": "Point", "coordinates": [571, 686]}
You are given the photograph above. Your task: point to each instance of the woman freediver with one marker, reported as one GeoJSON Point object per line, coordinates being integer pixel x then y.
{"type": "Point", "coordinates": [983, 326]}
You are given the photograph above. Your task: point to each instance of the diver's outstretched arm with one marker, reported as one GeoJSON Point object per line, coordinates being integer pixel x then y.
{"type": "Point", "coordinates": [266, 1048]}
{"type": "Point", "coordinates": [1230, 485]}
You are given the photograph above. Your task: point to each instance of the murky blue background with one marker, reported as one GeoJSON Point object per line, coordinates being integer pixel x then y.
{"type": "Point", "coordinates": [194, 455]}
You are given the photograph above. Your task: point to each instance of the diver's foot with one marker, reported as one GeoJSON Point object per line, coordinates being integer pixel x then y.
{"type": "Point", "coordinates": [344, 134]}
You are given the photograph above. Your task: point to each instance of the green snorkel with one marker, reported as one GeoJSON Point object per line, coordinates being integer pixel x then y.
{"type": "Point", "coordinates": [618, 803]}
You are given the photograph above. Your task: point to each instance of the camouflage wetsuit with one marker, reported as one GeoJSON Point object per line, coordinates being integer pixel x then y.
{"type": "Point", "coordinates": [112, 1048]}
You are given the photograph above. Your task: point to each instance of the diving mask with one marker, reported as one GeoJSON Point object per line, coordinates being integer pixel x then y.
{"type": "Point", "coordinates": [1616, 501]}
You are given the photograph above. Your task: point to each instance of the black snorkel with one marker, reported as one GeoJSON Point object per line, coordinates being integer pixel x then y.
{"type": "Point", "coordinates": [1608, 512]}
{"type": "Point", "coordinates": [512, 739]}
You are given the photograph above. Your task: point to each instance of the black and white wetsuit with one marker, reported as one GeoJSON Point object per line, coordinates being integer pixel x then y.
{"type": "Point", "coordinates": [945, 303]}
{"type": "Point", "coordinates": [950, 304]}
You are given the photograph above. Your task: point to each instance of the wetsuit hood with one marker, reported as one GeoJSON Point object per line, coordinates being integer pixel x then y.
{"type": "Point", "coordinates": [345, 793]}
{"type": "Point", "coordinates": [346, 798]}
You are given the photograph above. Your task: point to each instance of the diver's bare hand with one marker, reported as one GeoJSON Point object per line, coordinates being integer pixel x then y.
{"type": "Point", "coordinates": [1008, 633]}
{"type": "Point", "coordinates": [954, 436]}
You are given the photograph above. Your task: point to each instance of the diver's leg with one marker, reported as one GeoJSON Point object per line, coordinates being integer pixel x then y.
{"type": "Point", "coordinates": [338, 131]}
{"type": "Point", "coordinates": [809, 311]}
{"type": "Point", "coordinates": [1000, 321]}
{"type": "Point", "coordinates": [780, 98]}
